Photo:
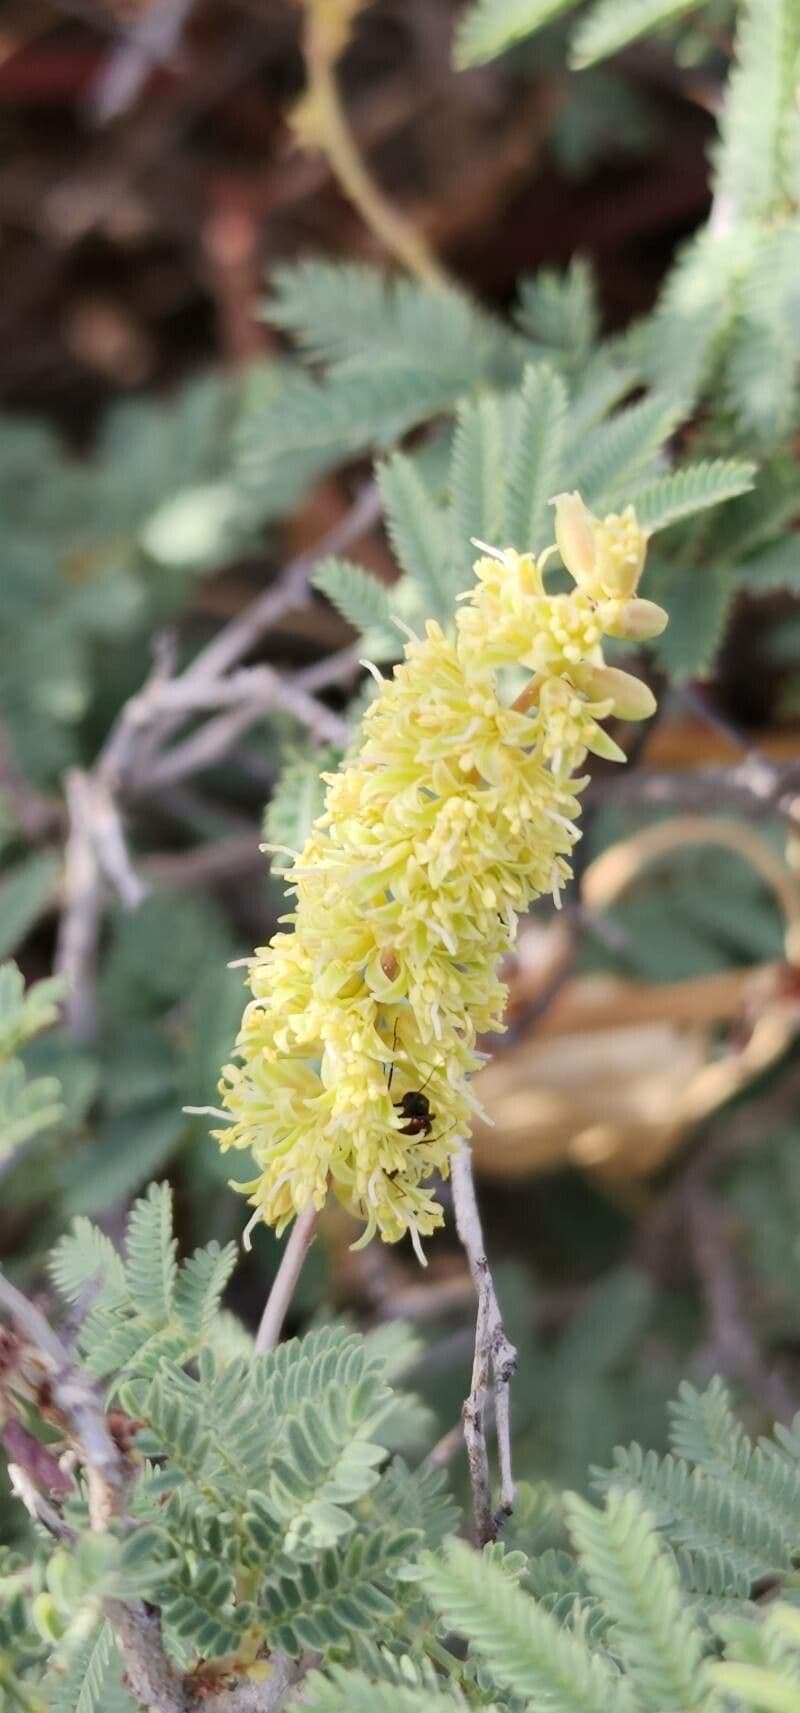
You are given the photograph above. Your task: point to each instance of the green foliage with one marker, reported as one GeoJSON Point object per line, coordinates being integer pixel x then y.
{"type": "Point", "coordinates": [614, 24]}
{"type": "Point", "coordinates": [24, 893]}
{"type": "Point", "coordinates": [266, 1513]}
{"type": "Point", "coordinates": [638, 1587]}
{"type": "Point", "coordinates": [261, 1520]}
{"type": "Point", "coordinates": [355, 1692]}
{"type": "Point", "coordinates": [643, 1642]}
{"type": "Point", "coordinates": [73, 533]}
{"type": "Point", "coordinates": [755, 165]}
{"type": "Point", "coordinates": [146, 1307]}
{"type": "Point", "coordinates": [510, 453]}
{"type": "Point", "coordinates": [491, 27]}
{"type": "Point", "coordinates": [536, 458]}
{"type": "Point", "coordinates": [362, 600]}
{"type": "Point", "coordinates": [560, 313]}
{"type": "Point", "coordinates": [261, 1516]}
{"type": "Point", "coordinates": [526, 1649]}
{"type": "Point", "coordinates": [715, 1493]}
{"type": "Point", "coordinates": [348, 1592]}
{"type": "Point", "coordinates": [29, 1106]}
{"type": "Point", "coordinates": [297, 800]}
{"type": "Point", "coordinates": [688, 492]}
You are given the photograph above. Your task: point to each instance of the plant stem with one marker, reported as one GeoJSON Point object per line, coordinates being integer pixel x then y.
{"type": "Point", "coordinates": [333, 134]}
{"type": "Point", "coordinates": [277, 1303]}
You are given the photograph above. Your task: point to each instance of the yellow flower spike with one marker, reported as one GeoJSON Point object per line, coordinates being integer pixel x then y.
{"type": "Point", "coordinates": [457, 810]}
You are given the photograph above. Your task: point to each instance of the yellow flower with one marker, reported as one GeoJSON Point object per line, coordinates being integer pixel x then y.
{"type": "Point", "coordinates": [605, 556]}
{"type": "Point", "coordinates": [459, 808]}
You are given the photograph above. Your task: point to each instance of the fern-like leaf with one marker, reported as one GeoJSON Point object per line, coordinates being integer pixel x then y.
{"type": "Point", "coordinates": [614, 452]}
{"type": "Point", "coordinates": [560, 312]}
{"type": "Point", "coordinates": [90, 1679]}
{"type": "Point", "coordinates": [704, 1429]}
{"type": "Point", "coordinates": [757, 113]}
{"type": "Point", "coordinates": [477, 480]}
{"type": "Point", "coordinates": [704, 1514]}
{"type": "Point", "coordinates": [680, 342]}
{"type": "Point", "coordinates": [151, 1248]}
{"type": "Point", "coordinates": [637, 1583]}
{"type": "Point", "coordinates": [525, 1648]}
{"type": "Point", "coordinates": [341, 1593]}
{"type": "Point", "coordinates": [297, 799]}
{"type": "Point", "coordinates": [199, 1286]}
{"type": "Point", "coordinates": [489, 27]}
{"type": "Point", "coordinates": [535, 461]}
{"type": "Point", "coordinates": [358, 318]}
{"type": "Point", "coordinates": [694, 489]}
{"type": "Point", "coordinates": [24, 1013]}
{"type": "Point", "coordinates": [363, 601]}
{"type": "Point", "coordinates": [343, 1691]}
{"type": "Point", "coordinates": [612, 24]}
{"type": "Point", "coordinates": [417, 533]}
{"type": "Point", "coordinates": [87, 1257]}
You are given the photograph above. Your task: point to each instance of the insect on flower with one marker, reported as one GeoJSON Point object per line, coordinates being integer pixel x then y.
{"type": "Point", "coordinates": [416, 1109]}
{"type": "Point", "coordinates": [415, 1106]}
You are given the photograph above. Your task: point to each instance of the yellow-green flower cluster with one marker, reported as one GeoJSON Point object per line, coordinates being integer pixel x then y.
{"type": "Point", "coordinates": [457, 810]}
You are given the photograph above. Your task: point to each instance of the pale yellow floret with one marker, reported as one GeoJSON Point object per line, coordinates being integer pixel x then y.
{"type": "Point", "coordinates": [456, 812]}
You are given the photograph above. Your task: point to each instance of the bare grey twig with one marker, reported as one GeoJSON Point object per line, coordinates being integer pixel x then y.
{"type": "Point", "coordinates": [133, 759]}
{"type": "Point", "coordinates": [755, 785]}
{"type": "Point", "coordinates": [242, 633]}
{"type": "Point", "coordinates": [79, 927]}
{"type": "Point", "coordinates": [494, 1355]}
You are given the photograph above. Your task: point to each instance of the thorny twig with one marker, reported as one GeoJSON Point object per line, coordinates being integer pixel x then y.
{"type": "Point", "coordinates": [494, 1354]}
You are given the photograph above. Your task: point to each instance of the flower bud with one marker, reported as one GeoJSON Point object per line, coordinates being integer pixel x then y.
{"type": "Point", "coordinates": [632, 699]}
{"type": "Point", "coordinates": [620, 548]}
{"type": "Point", "coordinates": [575, 536]}
{"type": "Point", "coordinates": [635, 620]}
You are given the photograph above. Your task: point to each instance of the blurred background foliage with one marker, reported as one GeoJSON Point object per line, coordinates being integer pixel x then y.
{"type": "Point", "coordinates": [574, 257]}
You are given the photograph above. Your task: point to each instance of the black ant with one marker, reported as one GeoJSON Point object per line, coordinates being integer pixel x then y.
{"type": "Point", "coordinates": [415, 1105]}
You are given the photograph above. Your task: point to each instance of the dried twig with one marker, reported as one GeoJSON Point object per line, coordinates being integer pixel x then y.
{"type": "Point", "coordinates": [132, 760]}
{"type": "Point", "coordinates": [756, 785]}
{"type": "Point", "coordinates": [493, 1353]}
{"type": "Point", "coordinates": [732, 1347]}
{"type": "Point", "coordinates": [36, 1505]}
{"type": "Point", "coordinates": [247, 695]}
{"type": "Point", "coordinates": [79, 928]}
{"type": "Point", "coordinates": [300, 1240]}
{"type": "Point", "coordinates": [243, 632]}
